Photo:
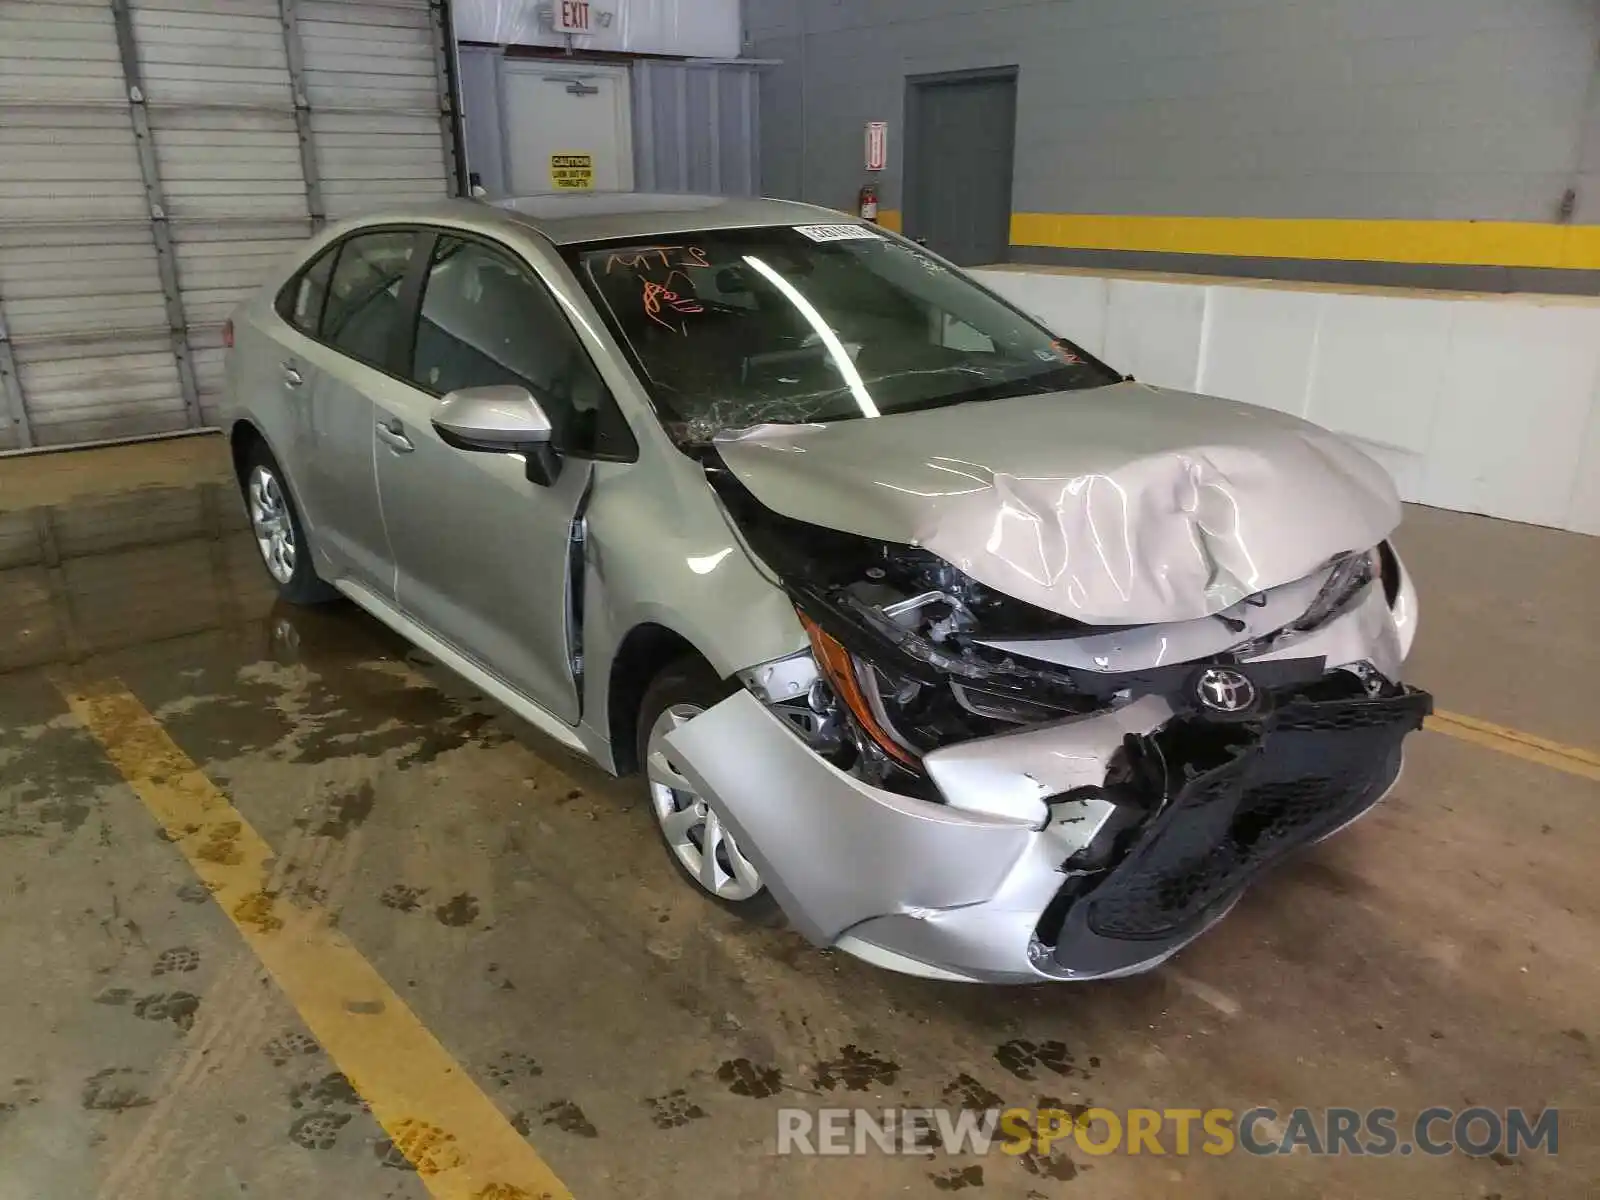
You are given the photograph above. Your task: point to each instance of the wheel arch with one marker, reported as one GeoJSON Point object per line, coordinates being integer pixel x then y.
{"type": "Point", "coordinates": [243, 437]}
{"type": "Point", "coordinates": [646, 650]}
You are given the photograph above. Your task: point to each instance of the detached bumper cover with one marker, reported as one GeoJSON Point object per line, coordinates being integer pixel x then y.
{"type": "Point", "coordinates": [979, 888]}
{"type": "Point", "coordinates": [1313, 767]}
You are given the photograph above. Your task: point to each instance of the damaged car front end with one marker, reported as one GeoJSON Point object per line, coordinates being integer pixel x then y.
{"type": "Point", "coordinates": [956, 783]}
{"type": "Point", "coordinates": [1079, 658]}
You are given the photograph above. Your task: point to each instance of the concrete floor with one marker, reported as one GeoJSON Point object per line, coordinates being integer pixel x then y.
{"type": "Point", "coordinates": [1442, 952]}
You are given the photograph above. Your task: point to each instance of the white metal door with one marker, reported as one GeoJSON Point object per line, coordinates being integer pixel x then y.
{"type": "Point", "coordinates": [158, 156]}
{"type": "Point", "coordinates": [552, 110]}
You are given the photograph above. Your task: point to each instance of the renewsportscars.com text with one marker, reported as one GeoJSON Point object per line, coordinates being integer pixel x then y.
{"type": "Point", "coordinates": [1478, 1131]}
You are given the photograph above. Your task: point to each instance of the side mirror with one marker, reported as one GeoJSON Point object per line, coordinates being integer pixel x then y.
{"type": "Point", "coordinates": [502, 419]}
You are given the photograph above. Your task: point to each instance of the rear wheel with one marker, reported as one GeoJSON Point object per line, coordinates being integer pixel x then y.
{"type": "Point", "coordinates": [280, 537]}
{"type": "Point", "coordinates": [698, 841]}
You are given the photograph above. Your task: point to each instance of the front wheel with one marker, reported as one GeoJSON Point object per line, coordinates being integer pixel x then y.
{"type": "Point", "coordinates": [700, 844]}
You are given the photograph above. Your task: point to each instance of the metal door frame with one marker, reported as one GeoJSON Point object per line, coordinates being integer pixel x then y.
{"type": "Point", "coordinates": [916, 86]}
{"type": "Point", "coordinates": [554, 70]}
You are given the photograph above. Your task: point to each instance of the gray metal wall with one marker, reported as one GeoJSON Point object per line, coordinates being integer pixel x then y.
{"type": "Point", "coordinates": [695, 128]}
{"type": "Point", "coordinates": [1344, 108]}
{"type": "Point", "coordinates": [481, 122]}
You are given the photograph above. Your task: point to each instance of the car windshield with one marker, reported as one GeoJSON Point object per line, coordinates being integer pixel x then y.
{"type": "Point", "coordinates": [738, 327]}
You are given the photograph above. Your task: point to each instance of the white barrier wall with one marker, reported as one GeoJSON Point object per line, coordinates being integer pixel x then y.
{"type": "Point", "coordinates": [1486, 404]}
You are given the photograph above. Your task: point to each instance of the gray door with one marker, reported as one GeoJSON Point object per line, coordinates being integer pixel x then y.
{"type": "Point", "coordinates": [363, 318]}
{"type": "Point", "coordinates": [961, 136]}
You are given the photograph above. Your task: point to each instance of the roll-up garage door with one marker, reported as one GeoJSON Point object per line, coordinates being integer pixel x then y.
{"type": "Point", "coordinates": [158, 156]}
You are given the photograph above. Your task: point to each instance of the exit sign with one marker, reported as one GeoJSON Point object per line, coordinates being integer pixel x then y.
{"type": "Point", "coordinates": [572, 16]}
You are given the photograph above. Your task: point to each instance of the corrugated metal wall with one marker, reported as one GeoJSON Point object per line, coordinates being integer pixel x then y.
{"type": "Point", "coordinates": [158, 156]}
{"type": "Point", "coordinates": [695, 128]}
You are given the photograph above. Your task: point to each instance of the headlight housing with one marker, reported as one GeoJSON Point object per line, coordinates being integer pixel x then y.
{"type": "Point", "coordinates": [909, 707]}
{"type": "Point", "coordinates": [1350, 575]}
{"type": "Point", "coordinates": [839, 668]}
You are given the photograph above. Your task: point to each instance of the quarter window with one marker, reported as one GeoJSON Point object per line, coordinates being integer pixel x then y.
{"type": "Point", "coordinates": [363, 315]}
{"type": "Point", "coordinates": [486, 320]}
{"type": "Point", "coordinates": [301, 302]}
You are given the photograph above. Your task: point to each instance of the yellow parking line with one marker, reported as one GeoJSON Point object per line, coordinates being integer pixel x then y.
{"type": "Point", "coordinates": [460, 1143]}
{"type": "Point", "coordinates": [1571, 759]}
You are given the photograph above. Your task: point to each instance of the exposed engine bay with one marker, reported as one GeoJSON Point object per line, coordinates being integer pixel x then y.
{"type": "Point", "coordinates": [1160, 767]}
{"type": "Point", "coordinates": [932, 657]}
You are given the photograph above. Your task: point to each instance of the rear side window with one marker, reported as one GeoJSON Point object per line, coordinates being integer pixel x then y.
{"type": "Point", "coordinates": [363, 315]}
{"type": "Point", "coordinates": [300, 303]}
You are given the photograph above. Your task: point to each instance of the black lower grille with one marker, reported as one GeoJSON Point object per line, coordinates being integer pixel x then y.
{"type": "Point", "coordinates": [1236, 799]}
{"type": "Point", "coordinates": [1192, 871]}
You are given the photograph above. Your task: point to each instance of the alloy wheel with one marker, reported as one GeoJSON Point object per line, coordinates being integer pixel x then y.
{"type": "Point", "coordinates": [693, 829]}
{"type": "Point", "coordinates": [271, 524]}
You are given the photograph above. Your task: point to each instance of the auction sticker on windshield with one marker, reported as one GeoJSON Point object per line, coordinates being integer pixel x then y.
{"type": "Point", "coordinates": [837, 233]}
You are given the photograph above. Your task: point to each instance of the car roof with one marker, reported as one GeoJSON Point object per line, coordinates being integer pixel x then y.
{"type": "Point", "coordinates": [593, 216]}
{"type": "Point", "coordinates": [565, 218]}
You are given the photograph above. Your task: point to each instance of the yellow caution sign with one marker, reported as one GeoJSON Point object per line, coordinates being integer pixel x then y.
{"type": "Point", "coordinates": [571, 171]}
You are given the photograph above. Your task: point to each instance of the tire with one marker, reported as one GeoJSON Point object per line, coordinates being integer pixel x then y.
{"type": "Point", "coordinates": [686, 687]}
{"type": "Point", "coordinates": [280, 536]}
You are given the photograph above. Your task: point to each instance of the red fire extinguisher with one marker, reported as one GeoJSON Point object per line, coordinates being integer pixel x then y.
{"type": "Point", "coordinates": [868, 202]}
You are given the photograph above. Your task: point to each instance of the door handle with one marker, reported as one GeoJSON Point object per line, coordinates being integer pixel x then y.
{"type": "Point", "coordinates": [291, 375]}
{"type": "Point", "coordinates": [393, 435]}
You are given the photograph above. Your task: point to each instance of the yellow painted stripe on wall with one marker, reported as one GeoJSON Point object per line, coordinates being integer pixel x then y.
{"type": "Point", "coordinates": [1457, 243]}
{"type": "Point", "coordinates": [460, 1143]}
{"type": "Point", "coordinates": [889, 218]}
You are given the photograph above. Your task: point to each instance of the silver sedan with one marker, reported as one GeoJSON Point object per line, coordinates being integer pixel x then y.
{"type": "Point", "coordinates": [977, 658]}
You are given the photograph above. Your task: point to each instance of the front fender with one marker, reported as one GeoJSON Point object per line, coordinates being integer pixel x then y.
{"type": "Point", "coordinates": [657, 551]}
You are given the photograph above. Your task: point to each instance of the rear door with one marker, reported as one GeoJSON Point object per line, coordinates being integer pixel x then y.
{"type": "Point", "coordinates": [359, 355]}
{"type": "Point", "coordinates": [482, 552]}
{"type": "Point", "coordinates": [271, 376]}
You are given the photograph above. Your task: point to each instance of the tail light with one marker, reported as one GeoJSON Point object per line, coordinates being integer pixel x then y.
{"type": "Point", "coordinates": [227, 334]}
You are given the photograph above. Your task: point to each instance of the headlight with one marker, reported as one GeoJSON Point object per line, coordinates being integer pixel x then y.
{"type": "Point", "coordinates": [858, 687]}
{"type": "Point", "coordinates": [1350, 575]}
{"type": "Point", "coordinates": [906, 712]}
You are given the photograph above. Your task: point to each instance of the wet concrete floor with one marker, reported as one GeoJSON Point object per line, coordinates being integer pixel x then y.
{"type": "Point", "coordinates": [1441, 952]}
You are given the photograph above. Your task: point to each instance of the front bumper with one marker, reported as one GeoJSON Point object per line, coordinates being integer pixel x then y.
{"type": "Point", "coordinates": [1008, 881]}
{"type": "Point", "coordinates": [1314, 766]}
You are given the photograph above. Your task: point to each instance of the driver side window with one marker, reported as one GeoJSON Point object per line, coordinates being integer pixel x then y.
{"type": "Point", "coordinates": [486, 319]}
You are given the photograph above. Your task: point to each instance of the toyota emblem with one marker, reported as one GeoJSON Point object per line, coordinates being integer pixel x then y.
{"type": "Point", "coordinates": [1225, 690]}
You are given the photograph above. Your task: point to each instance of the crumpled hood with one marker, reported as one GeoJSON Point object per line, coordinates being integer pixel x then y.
{"type": "Point", "coordinates": [1117, 505]}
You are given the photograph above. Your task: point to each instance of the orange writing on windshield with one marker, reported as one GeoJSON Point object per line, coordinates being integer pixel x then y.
{"type": "Point", "coordinates": [659, 297]}
{"type": "Point", "coordinates": [642, 257]}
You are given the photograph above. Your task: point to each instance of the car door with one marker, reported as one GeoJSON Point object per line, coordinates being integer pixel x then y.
{"type": "Point", "coordinates": [361, 347]}
{"type": "Point", "coordinates": [482, 552]}
{"type": "Point", "coordinates": [287, 370]}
